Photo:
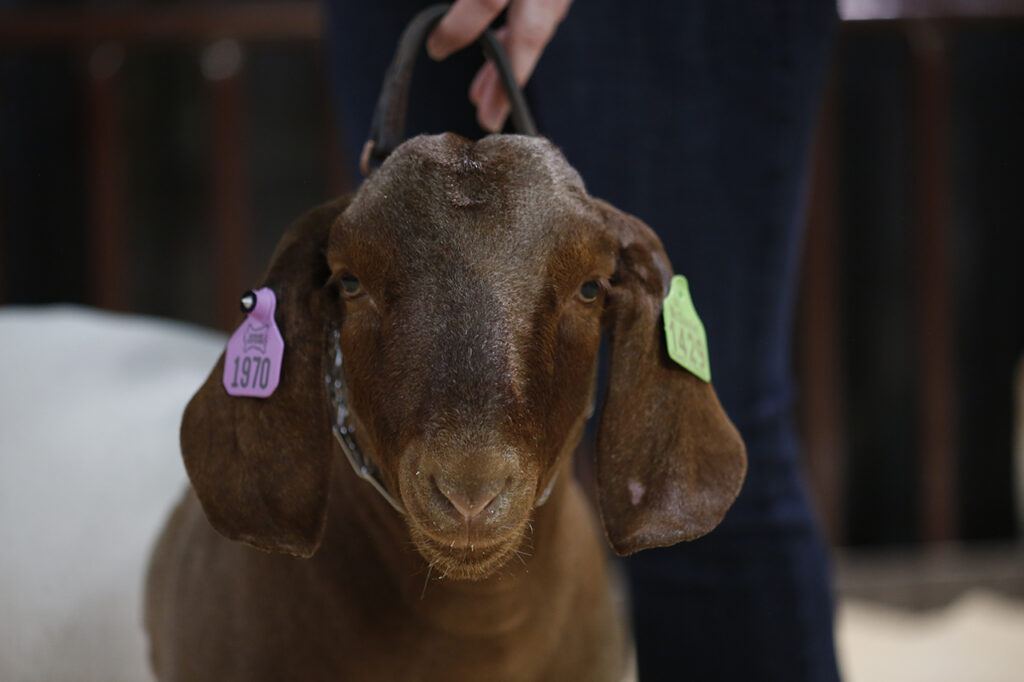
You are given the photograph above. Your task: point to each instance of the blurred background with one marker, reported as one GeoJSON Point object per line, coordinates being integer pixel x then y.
{"type": "Point", "coordinates": [151, 153]}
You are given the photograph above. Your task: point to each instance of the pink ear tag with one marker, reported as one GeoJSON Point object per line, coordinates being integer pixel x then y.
{"type": "Point", "coordinates": [252, 361]}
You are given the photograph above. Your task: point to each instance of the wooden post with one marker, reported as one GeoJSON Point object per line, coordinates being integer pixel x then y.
{"type": "Point", "coordinates": [933, 291]}
{"type": "Point", "coordinates": [819, 340]}
{"type": "Point", "coordinates": [106, 177]}
{"type": "Point", "coordinates": [222, 67]}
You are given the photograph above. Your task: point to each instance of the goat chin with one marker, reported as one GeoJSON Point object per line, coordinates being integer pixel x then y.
{"type": "Point", "coordinates": [460, 561]}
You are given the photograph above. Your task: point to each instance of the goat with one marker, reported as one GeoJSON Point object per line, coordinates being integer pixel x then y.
{"type": "Point", "coordinates": [453, 308]}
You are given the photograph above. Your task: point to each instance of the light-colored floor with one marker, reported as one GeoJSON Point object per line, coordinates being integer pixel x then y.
{"type": "Point", "coordinates": [979, 637]}
{"type": "Point", "coordinates": [937, 613]}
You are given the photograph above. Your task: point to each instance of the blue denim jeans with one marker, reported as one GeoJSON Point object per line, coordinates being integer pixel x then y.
{"type": "Point", "coordinates": [697, 117]}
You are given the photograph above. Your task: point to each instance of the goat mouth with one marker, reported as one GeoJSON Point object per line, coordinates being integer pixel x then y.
{"type": "Point", "coordinates": [462, 558]}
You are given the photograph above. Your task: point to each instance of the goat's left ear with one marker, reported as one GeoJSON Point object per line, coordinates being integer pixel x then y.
{"type": "Point", "coordinates": [669, 461]}
{"type": "Point", "coordinates": [261, 466]}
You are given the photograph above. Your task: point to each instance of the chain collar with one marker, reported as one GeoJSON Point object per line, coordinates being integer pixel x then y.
{"type": "Point", "coordinates": [337, 392]}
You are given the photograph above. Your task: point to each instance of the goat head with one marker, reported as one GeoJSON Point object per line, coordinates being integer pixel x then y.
{"type": "Point", "coordinates": [467, 286]}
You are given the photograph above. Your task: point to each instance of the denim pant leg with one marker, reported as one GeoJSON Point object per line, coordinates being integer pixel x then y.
{"type": "Point", "coordinates": [697, 117]}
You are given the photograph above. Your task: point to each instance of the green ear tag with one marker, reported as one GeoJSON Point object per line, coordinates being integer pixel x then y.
{"type": "Point", "coordinates": [684, 332]}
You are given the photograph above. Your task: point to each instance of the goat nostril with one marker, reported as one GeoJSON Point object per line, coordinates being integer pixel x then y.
{"type": "Point", "coordinates": [469, 503]}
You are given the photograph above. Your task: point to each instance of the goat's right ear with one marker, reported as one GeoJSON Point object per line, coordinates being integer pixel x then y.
{"type": "Point", "coordinates": [261, 466]}
{"type": "Point", "coordinates": [669, 461]}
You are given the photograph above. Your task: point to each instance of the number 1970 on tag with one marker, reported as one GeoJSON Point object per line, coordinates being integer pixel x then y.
{"type": "Point", "coordinates": [251, 371]}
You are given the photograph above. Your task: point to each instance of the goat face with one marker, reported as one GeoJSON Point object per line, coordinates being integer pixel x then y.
{"type": "Point", "coordinates": [466, 286]}
{"type": "Point", "coordinates": [470, 282]}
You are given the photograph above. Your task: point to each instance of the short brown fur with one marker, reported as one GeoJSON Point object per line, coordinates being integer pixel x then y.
{"type": "Point", "coordinates": [469, 355]}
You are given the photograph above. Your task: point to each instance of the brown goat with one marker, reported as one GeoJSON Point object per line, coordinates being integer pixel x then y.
{"type": "Point", "coordinates": [466, 286]}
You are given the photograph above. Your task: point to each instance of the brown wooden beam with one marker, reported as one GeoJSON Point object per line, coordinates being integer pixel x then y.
{"type": "Point", "coordinates": [933, 288]}
{"type": "Point", "coordinates": [819, 332]}
{"type": "Point", "coordinates": [223, 68]}
{"type": "Point", "coordinates": [277, 21]}
{"type": "Point", "coordinates": [105, 172]}
{"type": "Point", "coordinates": [335, 151]}
{"type": "Point", "coordinates": [302, 20]}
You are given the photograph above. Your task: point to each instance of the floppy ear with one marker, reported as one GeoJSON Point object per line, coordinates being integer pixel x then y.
{"type": "Point", "coordinates": [261, 466]}
{"type": "Point", "coordinates": [669, 461]}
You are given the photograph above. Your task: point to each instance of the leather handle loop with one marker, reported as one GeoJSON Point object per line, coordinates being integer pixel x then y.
{"type": "Point", "coordinates": [387, 130]}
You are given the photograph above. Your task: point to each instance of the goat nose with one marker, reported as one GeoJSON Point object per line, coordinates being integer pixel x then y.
{"type": "Point", "coordinates": [470, 500]}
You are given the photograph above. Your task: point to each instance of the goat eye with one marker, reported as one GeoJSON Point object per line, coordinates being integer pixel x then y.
{"type": "Point", "coordinates": [350, 286]}
{"type": "Point", "coordinates": [589, 291]}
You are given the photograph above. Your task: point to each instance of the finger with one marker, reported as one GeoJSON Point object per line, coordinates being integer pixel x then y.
{"type": "Point", "coordinates": [490, 93]}
{"type": "Point", "coordinates": [486, 74]}
{"type": "Point", "coordinates": [531, 25]}
{"type": "Point", "coordinates": [463, 24]}
{"type": "Point", "coordinates": [494, 107]}
{"type": "Point", "coordinates": [488, 71]}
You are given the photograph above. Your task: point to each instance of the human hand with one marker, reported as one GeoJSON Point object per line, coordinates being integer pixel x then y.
{"type": "Point", "coordinates": [531, 25]}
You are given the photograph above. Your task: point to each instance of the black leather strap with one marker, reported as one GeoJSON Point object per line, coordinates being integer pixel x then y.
{"type": "Point", "coordinates": [387, 130]}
